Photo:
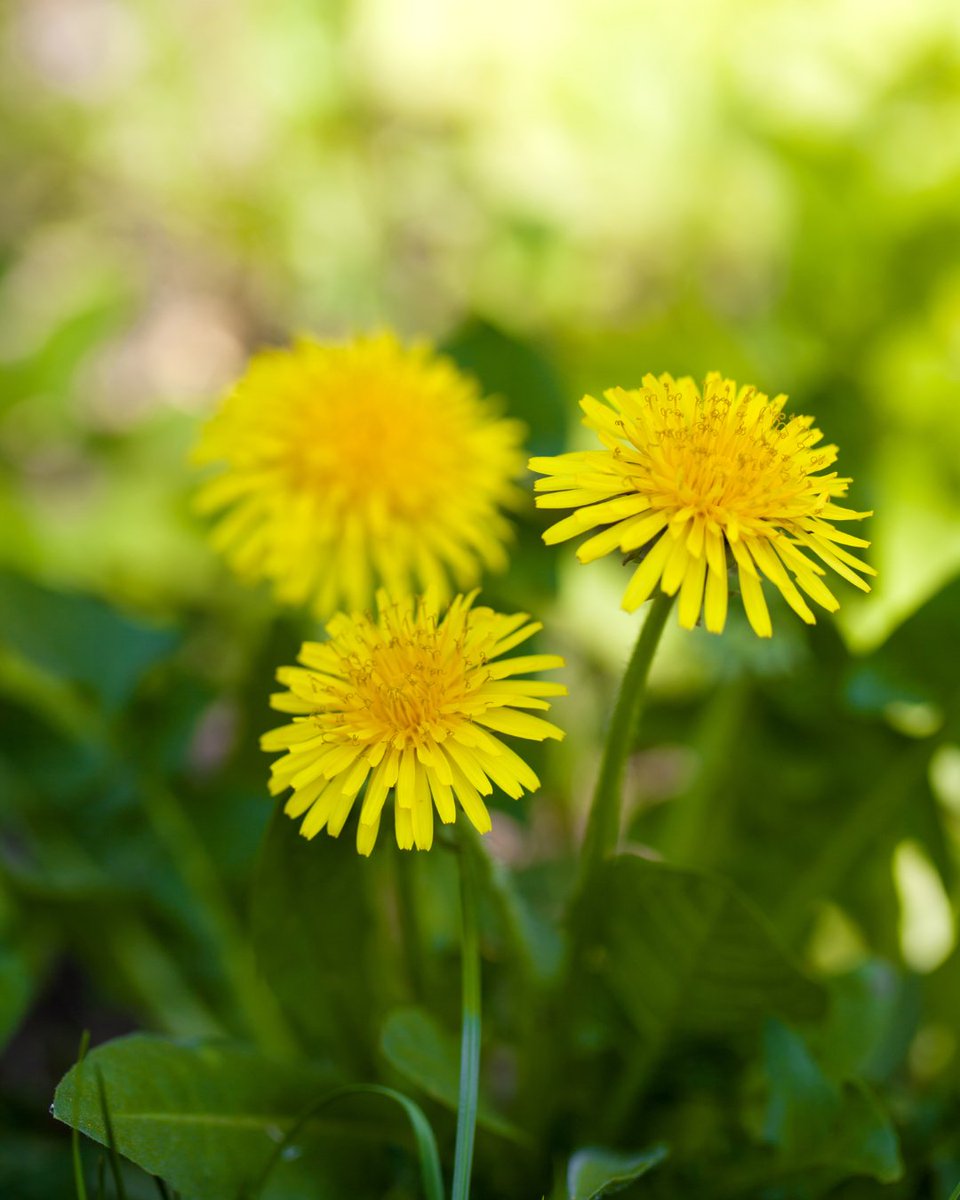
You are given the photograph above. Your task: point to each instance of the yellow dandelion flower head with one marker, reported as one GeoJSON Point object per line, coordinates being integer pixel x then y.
{"type": "Point", "coordinates": [409, 704]}
{"type": "Point", "coordinates": [692, 484]}
{"type": "Point", "coordinates": [351, 465]}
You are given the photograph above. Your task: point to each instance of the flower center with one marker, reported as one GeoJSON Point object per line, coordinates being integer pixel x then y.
{"type": "Point", "coordinates": [375, 445]}
{"type": "Point", "coordinates": [727, 458]}
{"type": "Point", "coordinates": [410, 686]}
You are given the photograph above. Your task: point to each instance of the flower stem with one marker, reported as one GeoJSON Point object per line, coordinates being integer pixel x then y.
{"type": "Point", "coordinates": [603, 824]}
{"type": "Point", "coordinates": [470, 1031]}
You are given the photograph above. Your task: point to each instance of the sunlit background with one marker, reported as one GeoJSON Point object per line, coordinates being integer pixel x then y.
{"type": "Point", "coordinates": [770, 189]}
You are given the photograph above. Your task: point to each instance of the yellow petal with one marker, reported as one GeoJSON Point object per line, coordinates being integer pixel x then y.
{"type": "Point", "coordinates": [753, 601]}
{"type": "Point", "coordinates": [691, 592]}
{"type": "Point", "coordinates": [504, 720]}
{"type": "Point", "coordinates": [715, 602]}
{"type": "Point", "coordinates": [647, 575]}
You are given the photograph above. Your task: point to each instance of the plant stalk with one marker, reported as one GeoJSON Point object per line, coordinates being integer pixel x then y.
{"type": "Point", "coordinates": [470, 1030]}
{"type": "Point", "coordinates": [603, 824]}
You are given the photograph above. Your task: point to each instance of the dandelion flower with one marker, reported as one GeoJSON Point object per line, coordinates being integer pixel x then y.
{"type": "Point", "coordinates": [692, 484]}
{"type": "Point", "coordinates": [409, 704]}
{"type": "Point", "coordinates": [352, 465]}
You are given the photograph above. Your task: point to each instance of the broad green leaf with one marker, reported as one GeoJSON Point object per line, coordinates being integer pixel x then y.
{"type": "Point", "coordinates": [312, 927]}
{"type": "Point", "coordinates": [595, 1172]}
{"type": "Point", "coordinates": [206, 1117]}
{"type": "Point", "coordinates": [817, 1122]}
{"type": "Point", "coordinates": [683, 952]}
{"type": "Point", "coordinates": [78, 638]}
{"type": "Point", "coordinates": [415, 1045]}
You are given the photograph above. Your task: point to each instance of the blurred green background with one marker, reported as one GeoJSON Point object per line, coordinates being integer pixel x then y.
{"type": "Point", "coordinates": [565, 196]}
{"type": "Point", "coordinates": [769, 189]}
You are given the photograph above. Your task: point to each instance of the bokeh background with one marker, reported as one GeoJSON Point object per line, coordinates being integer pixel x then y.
{"type": "Point", "coordinates": [565, 194]}
{"type": "Point", "coordinates": [769, 189]}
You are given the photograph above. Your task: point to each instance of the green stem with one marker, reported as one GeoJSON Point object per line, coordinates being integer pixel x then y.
{"type": "Point", "coordinates": [603, 824]}
{"type": "Point", "coordinates": [470, 1032]}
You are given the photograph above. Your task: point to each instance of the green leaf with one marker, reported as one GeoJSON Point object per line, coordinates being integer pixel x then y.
{"type": "Point", "coordinates": [313, 922]}
{"type": "Point", "coordinates": [911, 666]}
{"type": "Point", "coordinates": [817, 1122]}
{"type": "Point", "coordinates": [683, 952]}
{"type": "Point", "coordinates": [79, 638]}
{"type": "Point", "coordinates": [870, 1024]}
{"type": "Point", "coordinates": [205, 1117]}
{"type": "Point", "coordinates": [415, 1045]}
{"type": "Point", "coordinates": [520, 372]}
{"type": "Point", "coordinates": [426, 1143]}
{"type": "Point", "coordinates": [595, 1172]}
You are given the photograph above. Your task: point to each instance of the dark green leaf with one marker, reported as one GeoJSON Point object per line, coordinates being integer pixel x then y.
{"type": "Point", "coordinates": [684, 952]}
{"type": "Point", "coordinates": [911, 666]}
{"type": "Point", "coordinates": [595, 1172]}
{"type": "Point", "coordinates": [870, 1023]}
{"type": "Point", "coordinates": [817, 1122]}
{"type": "Point", "coordinates": [521, 373]}
{"type": "Point", "coordinates": [415, 1045]}
{"type": "Point", "coordinates": [78, 638]}
{"type": "Point", "coordinates": [205, 1117]}
{"type": "Point", "coordinates": [423, 1136]}
{"type": "Point", "coordinates": [312, 926]}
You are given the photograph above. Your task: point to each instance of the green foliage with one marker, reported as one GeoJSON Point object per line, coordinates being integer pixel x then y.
{"type": "Point", "coordinates": [428, 1057]}
{"type": "Point", "coordinates": [423, 1136]}
{"type": "Point", "coordinates": [78, 639]}
{"type": "Point", "coordinates": [594, 1172]}
{"type": "Point", "coordinates": [567, 203]}
{"type": "Point", "coordinates": [313, 923]}
{"type": "Point", "coordinates": [684, 954]}
{"type": "Point", "coordinates": [206, 1117]}
{"type": "Point", "coordinates": [818, 1122]}
{"type": "Point", "coordinates": [662, 1008]}
{"type": "Point", "coordinates": [17, 984]}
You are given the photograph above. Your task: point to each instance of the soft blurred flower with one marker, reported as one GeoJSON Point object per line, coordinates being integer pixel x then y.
{"type": "Point", "coordinates": [692, 484]}
{"type": "Point", "coordinates": [357, 464]}
{"type": "Point", "coordinates": [409, 703]}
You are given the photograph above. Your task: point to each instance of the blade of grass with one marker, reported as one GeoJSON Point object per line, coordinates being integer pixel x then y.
{"type": "Point", "coordinates": [79, 1182]}
{"type": "Point", "coordinates": [111, 1140]}
{"type": "Point", "coordinates": [470, 1030]}
{"type": "Point", "coordinates": [426, 1143]}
